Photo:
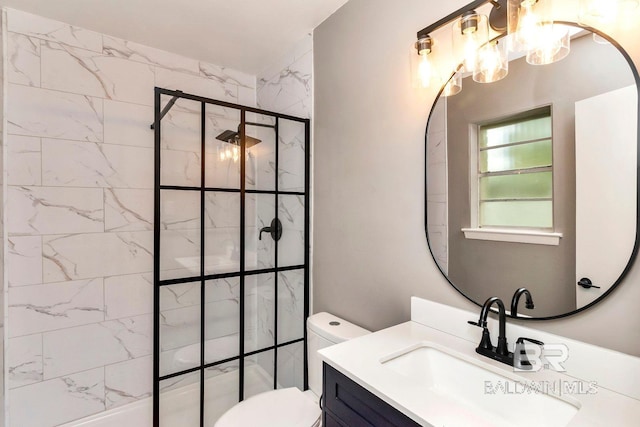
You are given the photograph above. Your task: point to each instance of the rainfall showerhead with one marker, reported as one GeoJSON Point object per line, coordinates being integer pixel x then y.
{"type": "Point", "coordinates": [233, 137]}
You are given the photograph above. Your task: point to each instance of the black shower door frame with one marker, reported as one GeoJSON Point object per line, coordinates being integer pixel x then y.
{"type": "Point", "coordinates": [159, 113]}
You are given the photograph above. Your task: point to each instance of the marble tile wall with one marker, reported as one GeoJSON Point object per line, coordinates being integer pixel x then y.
{"type": "Point", "coordinates": [286, 87]}
{"type": "Point", "coordinates": [79, 181]}
{"type": "Point", "coordinates": [3, 284]}
{"type": "Point", "coordinates": [437, 214]}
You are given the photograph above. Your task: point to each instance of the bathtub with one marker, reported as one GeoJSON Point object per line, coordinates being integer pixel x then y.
{"type": "Point", "coordinates": [179, 407]}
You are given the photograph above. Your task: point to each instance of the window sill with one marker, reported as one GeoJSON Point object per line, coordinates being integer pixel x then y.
{"type": "Point", "coordinates": [514, 236]}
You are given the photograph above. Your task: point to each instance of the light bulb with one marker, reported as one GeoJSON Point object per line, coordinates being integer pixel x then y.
{"type": "Point", "coordinates": [424, 69]}
{"type": "Point", "coordinates": [492, 63]}
{"type": "Point", "coordinates": [529, 24]}
{"type": "Point", "coordinates": [469, 32]}
{"type": "Point", "coordinates": [470, 52]}
{"type": "Point", "coordinates": [552, 45]}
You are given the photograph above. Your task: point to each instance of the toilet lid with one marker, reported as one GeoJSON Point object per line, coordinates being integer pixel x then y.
{"type": "Point", "coordinates": [287, 407]}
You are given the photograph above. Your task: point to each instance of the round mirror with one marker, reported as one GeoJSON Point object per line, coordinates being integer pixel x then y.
{"type": "Point", "coordinates": [531, 181]}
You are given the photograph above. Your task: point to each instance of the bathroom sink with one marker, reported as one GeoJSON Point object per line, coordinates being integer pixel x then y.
{"type": "Point", "coordinates": [469, 392]}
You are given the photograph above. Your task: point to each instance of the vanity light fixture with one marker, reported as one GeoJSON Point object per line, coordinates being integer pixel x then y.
{"type": "Point", "coordinates": [532, 29]}
{"type": "Point", "coordinates": [552, 45]}
{"type": "Point", "coordinates": [469, 33]}
{"type": "Point", "coordinates": [492, 62]}
{"type": "Point", "coordinates": [422, 67]}
{"type": "Point", "coordinates": [483, 42]}
{"type": "Point", "coordinates": [526, 23]}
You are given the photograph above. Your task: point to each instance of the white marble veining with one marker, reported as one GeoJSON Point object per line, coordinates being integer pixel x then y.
{"type": "Point", "coordinates": [59, 400]}
{"type": "Point", "coordinates": [180, 168]}
{"type": "Point", "coordinates": [128, 209]}
{"type": "Point", "coordinates": [289, 87]}
{"type": "Point", "coordinates": [75, 256]}
{"type": "Point", "coordinates": [25, 258]}
{"type": "Point", "coordinates": [260, 210]}
{"type": "Point", "coordinates": [226, 75]}
{"type": "Point", "coordinates": [196, 85]}
{"type": "Point", "coordinates": [95, 345]}
{"type": "Point", "coordinates": [82, 164]}
{"type": "Point", "coordinates": [259, 312]}
{"type": "Point", "coordinates": [246, 96]}
{"type": "Point", "coordinates": [70, 69]}
{"type": "Point", "coordinates": [23, 60]}
{"type": "Point", "coordinates": [285, 87]}
{"type": "Point", "coordinates": [127, 296]}
{"type": "Point", "coordinates": [179, 253]}
{"type": "Point", "coordinates": [291, 162]}
{"type": "Point", "coordinates": [290, 305]}
{"type": "Point", "coordinates": [263, 155]}
{"type": "Point", "coordinates": [41, 308]}
{"type": "Point", "coordinates": [181, 127]}
{"type": "Point", "coordinates": [47, 113]}
{"type": "Point", "coordinates": [178, 382]}
{"type": "Point", "coordinates": [301, 108]}
{"type": "Point", "coordinates": [291, 245]}
{"type": "Point", "coordinates": [179, 327]}
{"type": "Point", "coordinates": [128, 381]}
{"type": "Point", "coordinates": [80, 171]}
{"type": "Point", "coordinates": [24, 360]}
{"type": "Point", "coordinates": [139, 53]}
{"type": "Point", "coordinates": [48, 29]}
{"type": "Point", "coordinates": [180, 210]}
{"type": "Point", "coordinates": [179, 296]}
{"type": "Point", "coordinates": [303, 47]}
{"type": "Point", "coordinates": [50, 210]}
{"type": "Point", "coordinates": [25, 167]}
{"type": "Point", "coordinates": [127, 124]}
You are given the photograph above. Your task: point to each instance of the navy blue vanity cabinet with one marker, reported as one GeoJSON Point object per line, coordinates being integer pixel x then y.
{"type": "Point", "coordinates": [347, 404]}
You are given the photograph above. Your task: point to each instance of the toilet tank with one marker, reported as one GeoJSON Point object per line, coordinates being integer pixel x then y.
{"type": "Point", "coordinates": [323, 330]}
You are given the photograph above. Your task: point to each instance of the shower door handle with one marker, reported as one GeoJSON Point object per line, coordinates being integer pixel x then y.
{"type": "Point", "coordinates": [275, 230]}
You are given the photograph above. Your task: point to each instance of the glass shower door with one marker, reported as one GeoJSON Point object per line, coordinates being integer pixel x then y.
{"type": "Point", "coordinates": [231, 270]}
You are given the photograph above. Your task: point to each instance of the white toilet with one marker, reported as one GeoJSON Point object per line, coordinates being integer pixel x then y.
{"type": "Point", "coordinates": [290, 407]}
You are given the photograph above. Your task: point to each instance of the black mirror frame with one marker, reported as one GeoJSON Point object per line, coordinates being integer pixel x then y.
{"type": "Point", "coordinates": [634, 253]}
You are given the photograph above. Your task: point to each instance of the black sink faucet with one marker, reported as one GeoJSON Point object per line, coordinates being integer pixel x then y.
{"type": "Point", "coordinates": [528, 303]}
{"type": "Point", "coordinates": [500, 353]}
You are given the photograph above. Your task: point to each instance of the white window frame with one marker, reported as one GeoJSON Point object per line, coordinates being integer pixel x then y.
{"type": "Point", "coordinates": [501, 234]}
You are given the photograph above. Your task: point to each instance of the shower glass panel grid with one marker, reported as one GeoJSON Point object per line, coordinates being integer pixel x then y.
{"type": "Point", "coordinates": [231, 264]}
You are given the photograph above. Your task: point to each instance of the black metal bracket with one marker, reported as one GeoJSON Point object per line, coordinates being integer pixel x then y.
{"type": "Point", "coordinates": [166, 108]}
{"type": "Point", "coordinates": [427, 30]}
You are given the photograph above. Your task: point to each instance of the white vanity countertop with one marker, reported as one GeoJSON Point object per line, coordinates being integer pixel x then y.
{"type": "Point", "coordinates": [360, 360]}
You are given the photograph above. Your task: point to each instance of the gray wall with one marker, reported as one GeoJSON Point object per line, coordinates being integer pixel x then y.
{"type": "Point", "coordinates": [485, 268]}
{"type": "Point", "coordinates": [370, 250]}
